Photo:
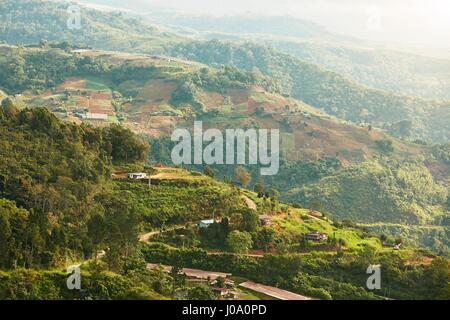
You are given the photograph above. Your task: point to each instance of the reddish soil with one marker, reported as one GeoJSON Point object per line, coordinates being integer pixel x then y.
{"type": "Point", "coordinates": [82, 102]}
{"type": "Point", "coordinates": [101, 95]}
{"type": "Point", "coordinates": [157, 90]}
{"type": "Point", "coordinates": [239, 96]}
{"type": "Point", "coordinates": [439, 170]}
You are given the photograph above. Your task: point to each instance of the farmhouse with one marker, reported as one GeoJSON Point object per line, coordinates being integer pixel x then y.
{"type": "Point", "coordinates": [316, 236]}
{"type": "Point", "coordinates": [228, 283]}
{"type": "Point", "coordinates": [137, 175]}
{"type": "Point", "coordinates": [226, 293]}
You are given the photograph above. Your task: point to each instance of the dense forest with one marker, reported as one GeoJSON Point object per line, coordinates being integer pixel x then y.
{"type": "Point", "coordinates": [53, 180]}
{"type": "Point", "coordinates": [59, 206]}
{"type": "Point", "coordinates": [365, 62]}
{"type": "Point", "coordinates": [319, 275]}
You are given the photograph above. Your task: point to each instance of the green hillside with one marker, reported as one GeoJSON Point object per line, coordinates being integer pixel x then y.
{"type": "Point", "coordinates": [87, 179]}
{"type": "Point", "coordinates": [60, 205]}
{"type": "Point", "coordinates": [404, 192]}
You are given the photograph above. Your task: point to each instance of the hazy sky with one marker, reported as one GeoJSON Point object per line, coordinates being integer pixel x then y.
{"type": "Point", "coordinates": [410, 21]}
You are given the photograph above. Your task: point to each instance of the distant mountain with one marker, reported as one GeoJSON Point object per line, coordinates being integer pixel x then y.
{"type": "Point", "coordinates": [405, 116]}
{"type": "Point", "coordinates": [367, 62]}
{"type": "Point", "coordinates": [30, 21]}
{"type": "Point", "coordinates": [275, 25]}
{"type": "Point", "coordinates": [395, 71]}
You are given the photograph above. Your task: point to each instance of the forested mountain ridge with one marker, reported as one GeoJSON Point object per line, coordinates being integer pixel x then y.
{"type": "Point", "coordinates": [269, 25]}
{"type": "Point", "coordinates": [30, 21]}
{"type": "Point", "coordinates": [55, 170]}
{"type": "Point", "coordinates": [406, 116]}
{"type": "Point", "coordinates": [153, 95]}
{"type": "Point", "coordinates": [366, 62]}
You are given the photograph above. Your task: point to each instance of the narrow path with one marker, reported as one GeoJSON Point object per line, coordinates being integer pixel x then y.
{"type": "Point", "coordinates": [146, 236]}
{"type": "Point", "coordinates": [250, 203]}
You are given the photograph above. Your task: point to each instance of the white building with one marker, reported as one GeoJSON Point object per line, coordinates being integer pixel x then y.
{"type": "Point", "coordinates": [94, 116]}
{"type": "Point", "coordinates": [137, 175]}
{"type": "Point", "coordinates": [205, 223]}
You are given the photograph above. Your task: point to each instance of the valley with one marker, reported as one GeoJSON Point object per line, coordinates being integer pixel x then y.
{"type": "Point", "coordinates": [88, 177]}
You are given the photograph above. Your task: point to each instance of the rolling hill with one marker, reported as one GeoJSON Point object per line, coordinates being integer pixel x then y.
{"type": "Point", "coordinates": [75, 122]}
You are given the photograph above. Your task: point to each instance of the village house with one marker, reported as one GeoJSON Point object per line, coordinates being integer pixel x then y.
{"type": "Point", "coordinates": [225, 293]}
{"type": "Point", "coordinates": [137, 175]}
{"type": "Point", "coordinates": [316, 236]}
{"type": "Point", "coordinates": [230, 284]}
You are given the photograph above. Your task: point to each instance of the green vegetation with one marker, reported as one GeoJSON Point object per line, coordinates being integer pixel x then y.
{"type": "Point", "coordinates": [174, 203]}
{"type": "Point", "coordinates": [296, 180]}
{"type": "Point", "coordinates": [27, 284]}
{"type": "Point", "coordinates": [65, 197]}
{"type": "Point", "coordinates": [324, 89]}
{"type": "Point", "coordinates": [239, 241]}
{"type": "Point", "coordinates": [404, 192]}
{"type": "Point", "coordinates": [43, 227]}
{"type": "Point", "coordinates": [320, 275]}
